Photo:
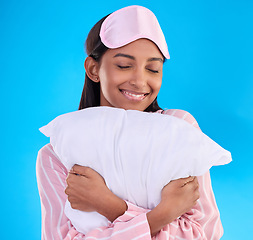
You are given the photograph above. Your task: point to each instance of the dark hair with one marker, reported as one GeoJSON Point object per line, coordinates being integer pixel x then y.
{"type": "Point", "coordinates": [91, 90]}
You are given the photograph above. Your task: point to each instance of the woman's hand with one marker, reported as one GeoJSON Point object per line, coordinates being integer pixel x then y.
{"type": "Point", "coordinates": [182, 194]}
{"type": "Point", "coordinates": [178, 197]}
{"type": "Point", "coordinates": [87, 191]}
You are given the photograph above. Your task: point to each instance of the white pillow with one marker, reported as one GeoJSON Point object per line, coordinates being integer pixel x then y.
{"type": "Point", "coordinates": [137, 153]}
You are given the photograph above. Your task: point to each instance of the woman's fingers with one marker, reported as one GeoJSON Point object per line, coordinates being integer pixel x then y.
{"type": "Point", "coordinates": [81, 170]}
{"type": "Point", "coordinates": [194, 186]}
{"type": "Point", "coordinates": [71, 178]}
{"type": "Point", "coordinates": [183, 181]}
{"type": "Point", "coordinates": [187, 180]}
{"type": "Point", "coordinates": [84, 171]}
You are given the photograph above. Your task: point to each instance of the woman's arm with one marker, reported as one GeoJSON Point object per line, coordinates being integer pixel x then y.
{"type": "Point", "coordinates": [203, 220]}
{"type": "Point", "coordinates": [51, 178]}
{"type": "Point", "coordinates": [87, 191]}
{"type": "Point", "coordinates": [178, 197]}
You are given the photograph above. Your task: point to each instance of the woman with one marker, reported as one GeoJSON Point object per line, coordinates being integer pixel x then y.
{"type": "Point", "coordinates": [126, 74]}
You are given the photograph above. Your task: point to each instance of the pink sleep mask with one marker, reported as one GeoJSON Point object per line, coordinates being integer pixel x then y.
{"type": "Point", "coordinates": [129, 24]}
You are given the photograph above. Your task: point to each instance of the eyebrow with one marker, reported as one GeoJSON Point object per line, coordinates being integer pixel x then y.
{"type": "Point", "coordinates": [156, 59]}
{"type": "Point", "coordinates": [124, 55]}
{"type": "Point", "coordinates": [133, 58]}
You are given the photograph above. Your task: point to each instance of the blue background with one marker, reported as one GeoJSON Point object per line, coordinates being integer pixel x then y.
{"type": "Point", "coordinates": [210, 74]}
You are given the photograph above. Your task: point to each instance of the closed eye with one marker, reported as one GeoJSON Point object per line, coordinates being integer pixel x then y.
{"type": "Point", "coordinates": [153, 71]}
{"type": "Point", "coordinates": [123, 67]}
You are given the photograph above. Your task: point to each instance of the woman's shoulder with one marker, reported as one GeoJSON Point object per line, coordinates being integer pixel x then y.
{"type": "Point", "coordinates": [182, 114]}
{"type": "Point", "coordinates": [48, 151]}
{"type": "Point", "coordinates": [48, 157]}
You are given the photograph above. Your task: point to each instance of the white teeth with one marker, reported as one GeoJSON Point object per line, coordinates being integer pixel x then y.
{"type": "Point", "coordinates": [134, 95]}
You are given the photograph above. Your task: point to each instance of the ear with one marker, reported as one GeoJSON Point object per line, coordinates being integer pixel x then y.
{"type": "Point", "coordinates": [91, 69]}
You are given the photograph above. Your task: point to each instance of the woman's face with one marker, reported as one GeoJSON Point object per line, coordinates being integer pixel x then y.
{"type": "Point", "coordinates": [131, 76]}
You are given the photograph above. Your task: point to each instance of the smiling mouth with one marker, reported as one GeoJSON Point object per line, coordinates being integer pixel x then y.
{"type": "Point", "coordinates": [133, 95]}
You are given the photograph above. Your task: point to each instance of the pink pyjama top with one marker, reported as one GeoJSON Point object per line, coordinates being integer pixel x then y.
{"type": "Point", "coordinates": [202, 222]}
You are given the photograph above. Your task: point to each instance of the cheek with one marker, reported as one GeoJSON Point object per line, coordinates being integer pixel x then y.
{"type": "Point", "coordinates": [109, 85]}
{"type": "Point", "coordinates": [156, 84]}
{"type": "Point", "coordinates": [107, 75]}
{"type": "Point", "coordinates": [105, 79]}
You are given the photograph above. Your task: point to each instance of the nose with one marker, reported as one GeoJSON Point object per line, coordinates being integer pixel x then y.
{"type": "Point", "coordinates": [138, 79]}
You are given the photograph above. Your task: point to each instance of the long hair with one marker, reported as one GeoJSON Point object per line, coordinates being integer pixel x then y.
{"type": "Point", "coordinates": [91, 90]}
